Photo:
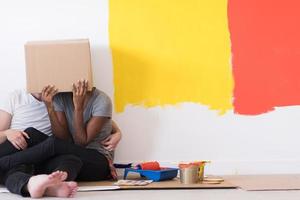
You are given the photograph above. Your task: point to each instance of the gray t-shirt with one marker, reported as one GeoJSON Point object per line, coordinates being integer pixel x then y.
{"type": "Point", "coordinates": [99, 105]}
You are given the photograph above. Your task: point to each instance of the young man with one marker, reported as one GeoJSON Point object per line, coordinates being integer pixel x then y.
{"type": "Point", "coordinates": [23, 110]}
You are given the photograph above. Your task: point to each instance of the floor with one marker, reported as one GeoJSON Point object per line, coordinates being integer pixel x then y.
{"type": "Point", "coordinates": [207, 194]}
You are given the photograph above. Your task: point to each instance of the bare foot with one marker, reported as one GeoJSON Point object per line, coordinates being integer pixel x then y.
{"type": "Point", "coordinates": [64, 189]}
{"type": "Point", "coordinates": [38, 184]}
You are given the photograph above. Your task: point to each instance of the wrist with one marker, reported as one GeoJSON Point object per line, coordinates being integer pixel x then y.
{"type": "Point", "coordinates": [50, 108]}
{"type": "Point", "coordinates": [49, 105]}
{"type": "Point", "coordinates": [8, 133]}
{"type": "Point", "coordinates": [78, 109]}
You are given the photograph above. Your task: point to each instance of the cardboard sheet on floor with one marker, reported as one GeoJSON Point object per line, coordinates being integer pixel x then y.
{"type": "Point", "coordinates": [97, 188]}
{"type": "Point", "coordinates": [3, 189]}
{"type": "Point", "coordinates": [172, 184]}
{"type": "Point", "coordinates": [265, 182]}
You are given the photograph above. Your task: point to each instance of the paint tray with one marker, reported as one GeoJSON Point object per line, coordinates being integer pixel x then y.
{"type": "Point", "coordinates": [155, 175]}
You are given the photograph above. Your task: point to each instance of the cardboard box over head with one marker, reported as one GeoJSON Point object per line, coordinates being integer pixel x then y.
{"type": "Point", "coordinates": [59, 63]}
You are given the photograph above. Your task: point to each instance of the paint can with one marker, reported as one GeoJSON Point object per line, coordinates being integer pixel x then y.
{"type": "Point", "coordinates": [192, 172]}
{"type": "Point", "coordinates": [189, 174]}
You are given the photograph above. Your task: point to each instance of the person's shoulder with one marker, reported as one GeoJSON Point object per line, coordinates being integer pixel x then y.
{"type": "Point", "coordinates": [19, 92]}
{"type": "Point", "coordinates": [100, 95]}
{"type": "Point", "coordinates": [19, 95]}
{"type": "Point", "coordinates": [12, 100]}
{"type": "Point", "coordinates": [99, 92]}
{"type": "Point", "coordinates": [102, 105]}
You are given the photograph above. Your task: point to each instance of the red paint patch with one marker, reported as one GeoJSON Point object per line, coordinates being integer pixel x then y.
{"type": "Point", "coordinates": [265, 36]}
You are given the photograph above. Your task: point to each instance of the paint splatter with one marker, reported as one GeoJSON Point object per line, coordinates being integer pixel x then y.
{"type": "Point", "coordinates": [266, 54]}
{"type": "Point", "coordinates": [171, 52]}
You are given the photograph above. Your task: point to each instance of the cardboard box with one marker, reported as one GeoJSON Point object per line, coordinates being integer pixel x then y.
{"type": "Point", "coordinates": [58, 63]}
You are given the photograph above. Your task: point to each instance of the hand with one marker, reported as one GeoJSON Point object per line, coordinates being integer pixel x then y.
{"type": "Point", "coordinates": [111, 142]}
{"type": "Point", "coordinates": [79, 93]}
{"type": "Point", "coordinates": [48, 93]}
{"type": "Point", "coordinates": [17, 138]}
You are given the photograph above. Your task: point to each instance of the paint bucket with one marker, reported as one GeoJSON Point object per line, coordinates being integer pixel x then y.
{"type": "Point", "coordinates": [192, 172]}
{"type": "Point", "coordinates": [189, 174]}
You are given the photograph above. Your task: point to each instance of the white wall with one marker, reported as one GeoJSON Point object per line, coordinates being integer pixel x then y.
{"type": "Point", "coordinates": [236, 144]}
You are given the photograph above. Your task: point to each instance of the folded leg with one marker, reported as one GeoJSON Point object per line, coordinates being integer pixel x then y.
{"type": "Point", "coordinates": [35, 137]}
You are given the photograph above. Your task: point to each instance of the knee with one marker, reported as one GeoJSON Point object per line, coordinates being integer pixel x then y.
{"type": "Point", "coordinates": [30, 130]}
{"type": "Point", "coordinates": [35, 136]}
{"type": "Point", "coordinates": [34, 133]}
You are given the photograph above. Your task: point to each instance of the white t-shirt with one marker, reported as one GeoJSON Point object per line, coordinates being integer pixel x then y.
{"type": "Point", "coordinates": [26, 112]}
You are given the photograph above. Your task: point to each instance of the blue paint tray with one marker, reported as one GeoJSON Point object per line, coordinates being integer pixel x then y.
{"type": "Point", "coordinates": [155, 175]}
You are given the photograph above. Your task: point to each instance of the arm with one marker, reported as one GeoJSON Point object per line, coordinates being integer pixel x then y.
{"type": "Point", "coordinates": [84, 134]}
{"type": "Point", "coordinates": [115, 129]}
{"type": "Point", "coordinates": [15, 137]}
{"type": "Point", "coordinates": [111, 142]}
{"type": "Point", "coordinates": [57, 119]}
{"type": "Point", "coordinates": [5, 120]}
{"type": "Point", "coordinates": [59, 124]}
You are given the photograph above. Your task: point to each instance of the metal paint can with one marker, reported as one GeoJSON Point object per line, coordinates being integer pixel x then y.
{"type": "Point", "coordinates": [189, 175]}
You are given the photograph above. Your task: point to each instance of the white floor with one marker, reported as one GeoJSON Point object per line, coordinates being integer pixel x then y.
{"type": "Point", "coordinates": [219, 194]}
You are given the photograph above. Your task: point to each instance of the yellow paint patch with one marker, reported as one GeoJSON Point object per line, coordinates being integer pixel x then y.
{"type": "Point", "coordinates": [168, 52]}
